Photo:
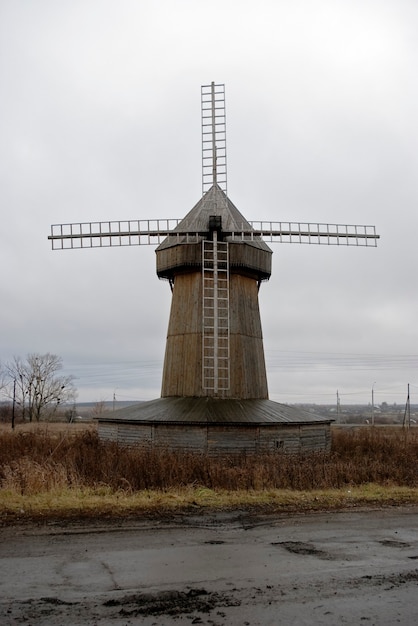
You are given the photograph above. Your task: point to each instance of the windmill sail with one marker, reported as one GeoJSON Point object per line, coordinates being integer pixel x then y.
{"type": "Point", "coordinates": [213, 137]}
{"type": "Point", "coordinates": [154, 232]}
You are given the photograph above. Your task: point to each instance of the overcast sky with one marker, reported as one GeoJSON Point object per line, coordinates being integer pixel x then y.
{"type": "Point", "coordinates": [100, 120]}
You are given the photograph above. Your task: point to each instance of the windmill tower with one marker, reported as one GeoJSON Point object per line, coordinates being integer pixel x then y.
{"type": "Point", "coordinates": [214, 377]}
{"type": "Point", "coordinates": [214, 343]}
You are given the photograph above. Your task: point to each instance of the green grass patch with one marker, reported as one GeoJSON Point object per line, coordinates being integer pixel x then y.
{"type": "Point", "coordinates": [103, 503]}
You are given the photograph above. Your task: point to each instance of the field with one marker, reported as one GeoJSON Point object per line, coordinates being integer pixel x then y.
{"type": "Point", "coordinates": [63, 471]}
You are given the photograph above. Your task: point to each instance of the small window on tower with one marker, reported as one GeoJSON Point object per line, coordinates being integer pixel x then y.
{"type": "Point", "coordinates": [215, 222]}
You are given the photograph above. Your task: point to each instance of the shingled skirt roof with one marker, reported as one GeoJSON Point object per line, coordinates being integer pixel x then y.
{"type": "Point", "coordinates": [214, 411]}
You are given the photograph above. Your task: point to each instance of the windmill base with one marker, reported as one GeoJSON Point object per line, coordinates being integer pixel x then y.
{"type": "Point", "coordinates": [217, 427]}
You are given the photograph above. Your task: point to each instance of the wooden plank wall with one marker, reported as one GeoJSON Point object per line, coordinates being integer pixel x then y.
{"type": "Point", "coordinates": [250, 259]}
{"type": "Point", "coordinates": [218, 440]}
{"type": "Point", "coordinates": [248, 368]}
{"type": "Point", "coordinates": [182, 372]}
{"type": "Point", "coordinates": [190, 439]}
{"type": "Point", "coordinates": [246, 258]}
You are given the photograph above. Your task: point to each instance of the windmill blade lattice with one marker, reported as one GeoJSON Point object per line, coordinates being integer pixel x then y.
{"type": "Point", "coordinates": [213, 137]}
{"type": "Point", "coordinates": [153, 232]}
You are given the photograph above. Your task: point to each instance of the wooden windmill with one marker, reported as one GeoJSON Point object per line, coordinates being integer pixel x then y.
{"type": "Point", "coordinates": [215, 261]}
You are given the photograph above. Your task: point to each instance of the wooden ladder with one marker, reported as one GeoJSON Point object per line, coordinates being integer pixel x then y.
{"type": "Point", "coordinates": [215, 318]}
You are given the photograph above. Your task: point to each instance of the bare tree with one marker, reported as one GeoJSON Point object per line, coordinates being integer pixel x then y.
{"type": "Point", "coordinates": [3, 378]}
{"type": "Point", "coordinates": [98, 409]}
{"type": "Point", "coordinates": [5, 407]}
{"type": "Point", "coordinates": [39, 389]}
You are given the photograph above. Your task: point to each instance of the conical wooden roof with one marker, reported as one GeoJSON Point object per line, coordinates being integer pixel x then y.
{"type": "Point", "coordinates": [214, 202]}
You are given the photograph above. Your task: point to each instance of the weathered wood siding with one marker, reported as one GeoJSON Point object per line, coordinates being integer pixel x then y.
{"type": "Point", "coordinates": [182, 372]}
{"type": "Point", "coordinates": [126, 434]}
{"type": "Point", "coordinates": [295, 438]}
{"type": "Point", "coordinates": [248, 368]}
{"type": "Point", "coordinates": [171, 260]}
{"type": "Point", "coordinates": [108, 431]}
{"type": "Point", "coordinates": [180, 437]}
{"type": "Point", "coordinates": [244, 258]}
{"type": "Point", "coordinates": [249, 259]}
{"type": "Point", "coordinates": [218, 440]}
{"type": "Point", "coordinates": [226, 441]}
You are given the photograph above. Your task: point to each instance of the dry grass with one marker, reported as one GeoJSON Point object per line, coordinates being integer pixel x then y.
{"type": "Point", "coordinates": [55, 473]}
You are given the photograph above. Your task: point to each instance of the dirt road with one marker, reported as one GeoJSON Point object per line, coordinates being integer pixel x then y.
{"type": "Point", "coordinates": [226, 568]}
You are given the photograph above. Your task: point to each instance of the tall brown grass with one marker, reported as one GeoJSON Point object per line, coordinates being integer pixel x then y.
{"type": "Point", "coordinates": [38, 462]}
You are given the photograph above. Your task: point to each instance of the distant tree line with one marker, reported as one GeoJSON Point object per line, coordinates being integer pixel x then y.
{"type": "Point", "coordinates": [35, 386]}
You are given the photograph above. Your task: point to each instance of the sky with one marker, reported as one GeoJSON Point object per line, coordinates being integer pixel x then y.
{"type": "Point", "coordinates": [100, 120]}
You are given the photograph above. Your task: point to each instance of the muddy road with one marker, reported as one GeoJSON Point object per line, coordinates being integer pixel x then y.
{"type": "Point", "coordinates": [226, 568]}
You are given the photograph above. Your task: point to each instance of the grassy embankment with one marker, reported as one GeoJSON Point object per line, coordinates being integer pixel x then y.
{"type": "Point", "coordinates": [47, 475]}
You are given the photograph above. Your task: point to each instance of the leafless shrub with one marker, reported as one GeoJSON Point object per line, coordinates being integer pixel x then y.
{"type": "Point", "coordinates": [39, 462]}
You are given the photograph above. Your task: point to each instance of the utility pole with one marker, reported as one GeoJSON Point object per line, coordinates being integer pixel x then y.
{"type": "Point", "coordinates": [338, 407]}
{"type": "Point", "coordinates": [373, 403]}
{"type": "Point", "coordinates": [407, 411]}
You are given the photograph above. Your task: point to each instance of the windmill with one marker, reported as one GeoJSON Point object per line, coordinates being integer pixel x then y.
{"type": "Point", "coordinates": [215, 261]}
